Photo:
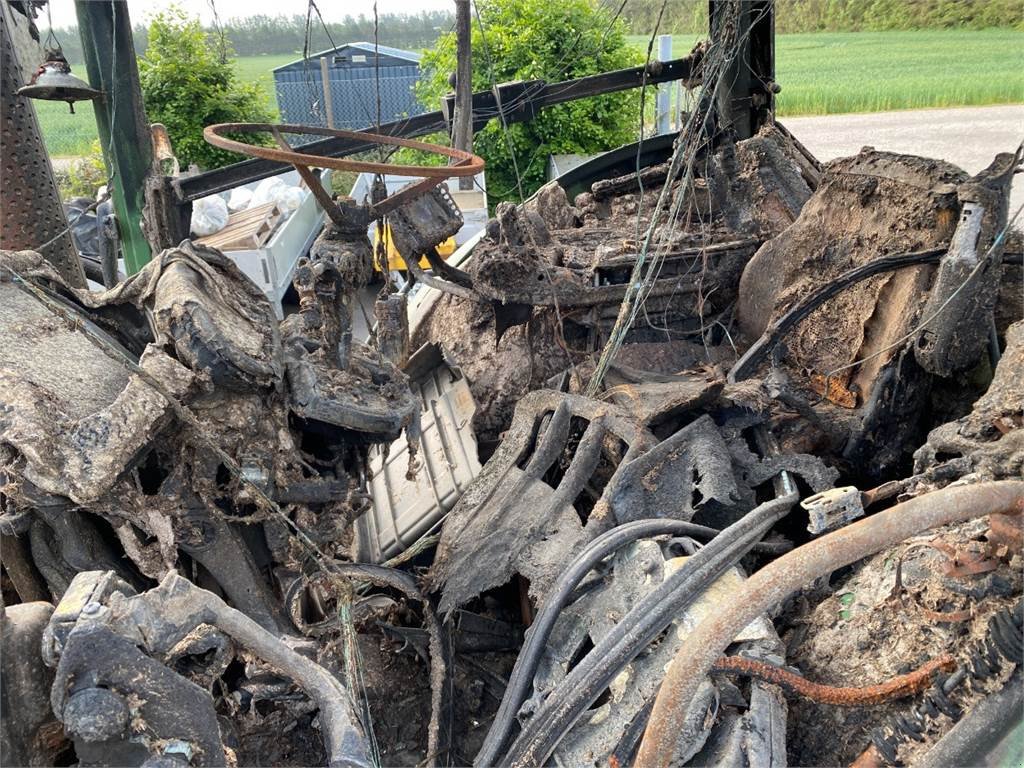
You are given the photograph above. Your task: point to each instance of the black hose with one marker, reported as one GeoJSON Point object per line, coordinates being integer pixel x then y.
{"type": "Point", "coordinates": [536, 638]}
{"type": "Point", "coordinates": [655, 611]}
{"type": "Point", "coordinates": [760, 349]}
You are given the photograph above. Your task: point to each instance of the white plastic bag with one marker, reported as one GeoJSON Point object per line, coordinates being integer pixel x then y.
{"type": "Point", "coordinates": [288, 200]}
{"type": "Point", "coordinates": [209, 215]}
{"type": "Point", "coordinates": [240, 199]}
{"type": "Point", "coordinates": [266, 191]}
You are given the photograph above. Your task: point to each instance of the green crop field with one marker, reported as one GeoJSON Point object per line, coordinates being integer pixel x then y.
{"type": "Point", "coordinates": [820, 73]}
{"type": "Point", "coordinates": [826, 73]}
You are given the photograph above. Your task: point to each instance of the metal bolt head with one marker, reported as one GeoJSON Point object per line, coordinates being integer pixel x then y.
{"type": "Point", "coordinates": [91, 608]}
{"type": "Point", "coordinates": [96, 714]}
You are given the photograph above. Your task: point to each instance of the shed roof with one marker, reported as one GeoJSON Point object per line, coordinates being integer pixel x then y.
{"type": "Point", "coordinates": [383, 50]}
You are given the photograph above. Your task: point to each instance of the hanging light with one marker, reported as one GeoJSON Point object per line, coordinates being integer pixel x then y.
{"type": "Point", "coordinates": [53, 81]}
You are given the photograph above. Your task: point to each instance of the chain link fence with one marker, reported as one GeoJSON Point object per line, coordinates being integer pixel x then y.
{"type": "Point", "coordinates": [302, 98]}
{"type": "Point", "coordinates": [65, 134]}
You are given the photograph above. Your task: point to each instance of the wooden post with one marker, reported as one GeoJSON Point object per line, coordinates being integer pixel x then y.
{"type": "Point", "coordinates": [325, 71]}
{"type": "Point", "coordinates": [463, 129]}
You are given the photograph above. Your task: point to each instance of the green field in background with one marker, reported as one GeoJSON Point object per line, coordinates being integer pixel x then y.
{"type": "Point", "coordinates": [820, 74]}
{"type": "Point", "coordinates": [826, 73]}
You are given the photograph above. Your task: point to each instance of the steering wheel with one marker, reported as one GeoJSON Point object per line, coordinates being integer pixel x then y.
{"type": "Point", "coordinates": [467, 164]}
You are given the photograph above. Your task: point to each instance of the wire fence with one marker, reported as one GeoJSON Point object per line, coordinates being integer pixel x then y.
{"type": "Point", "coordinates": [66, 134]}
{"type": "Point", "coordinates": [302, 99]}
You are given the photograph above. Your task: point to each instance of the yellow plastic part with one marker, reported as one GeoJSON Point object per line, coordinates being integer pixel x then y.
{"type": "Point", "coordinates": [395, 260]}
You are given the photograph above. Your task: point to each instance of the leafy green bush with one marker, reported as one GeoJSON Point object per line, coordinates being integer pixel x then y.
{"type": "Point", "coordinates": [551, 41]}
{"type": "Point", "coordinates": [187, 85]}
{"type": "Point", "coordinates": [84, 176]}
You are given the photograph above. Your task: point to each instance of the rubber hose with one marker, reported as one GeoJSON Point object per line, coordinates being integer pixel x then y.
{"type": "Point", "coordinates": [780, 578]}
{"type": "Point", "coordinates": [530, 654]}
{"type": "Point", "coordinates": [636, 630]}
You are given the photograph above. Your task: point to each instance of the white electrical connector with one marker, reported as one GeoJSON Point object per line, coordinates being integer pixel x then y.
{"type": "Point", "coordinates": [833, 508]}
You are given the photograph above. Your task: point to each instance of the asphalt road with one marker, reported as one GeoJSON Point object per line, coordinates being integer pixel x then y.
{"type": "Point", "coordinates": [966, 136]}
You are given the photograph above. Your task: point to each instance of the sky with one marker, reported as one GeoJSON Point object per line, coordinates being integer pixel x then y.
{"type": "Point", "coordinates": [63, 11]}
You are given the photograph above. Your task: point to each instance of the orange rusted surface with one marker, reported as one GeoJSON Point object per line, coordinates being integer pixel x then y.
{"type": "Point", "coordinates": [841, 696]}
{"type": "Point", "coordinates": [837, 391]}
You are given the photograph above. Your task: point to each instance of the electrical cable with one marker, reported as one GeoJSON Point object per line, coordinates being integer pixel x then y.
{"type": "Point", "coordinates": [778, 328]}
{"type": "Point", "coordinates": [558, 597]}
{"type": "Point", "coordinates": [376, 573]}
{"type": "Point", "coordinates": [782, 577]}
{"type": "Point", "coordinates": [655, 611]}
{"type": "Point", "coordinates": [983, 262]}
{"type": "Point", "coordinates": [695, 137]}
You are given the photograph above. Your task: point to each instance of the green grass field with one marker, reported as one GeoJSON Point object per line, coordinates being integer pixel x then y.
{"type": "Point", "coordinates": [820, 74]}
{"type": "Point", "coordinates": [834, 73]}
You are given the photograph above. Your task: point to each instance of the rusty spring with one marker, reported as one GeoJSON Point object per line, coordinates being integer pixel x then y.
{"type": "Point", "coordinates": [985, 659]}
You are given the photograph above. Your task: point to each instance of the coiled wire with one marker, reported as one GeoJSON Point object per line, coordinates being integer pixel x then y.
{"type": "Point", "coordinates": [1002, 644]}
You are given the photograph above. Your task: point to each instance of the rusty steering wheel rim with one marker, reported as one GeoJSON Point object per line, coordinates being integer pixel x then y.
{"type": "Point", "coordinates": [467, 164]}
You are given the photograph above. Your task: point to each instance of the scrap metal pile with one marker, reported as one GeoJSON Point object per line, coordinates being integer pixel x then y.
{"type": "Point", "coordinates": [717, 463]}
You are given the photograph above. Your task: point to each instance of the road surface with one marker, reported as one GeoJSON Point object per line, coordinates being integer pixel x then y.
{"type": "Point", "coordinates": [965, 136]}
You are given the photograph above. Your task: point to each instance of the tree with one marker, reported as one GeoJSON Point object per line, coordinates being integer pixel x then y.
{"type": "Point", "coordinates": [551, 41]}
{"type": "Point", "coordinates": [189, 82]}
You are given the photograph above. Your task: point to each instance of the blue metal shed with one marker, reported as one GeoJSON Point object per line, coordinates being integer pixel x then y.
{"type": "Point", "coordinates": [352, 70]}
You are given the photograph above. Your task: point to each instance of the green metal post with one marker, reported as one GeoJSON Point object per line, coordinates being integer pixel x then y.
{"type": "Point", "coordinates": [106, 33]}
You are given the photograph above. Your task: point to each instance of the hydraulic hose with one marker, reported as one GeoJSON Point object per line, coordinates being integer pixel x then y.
{"type": "Point", "coordinates": [782, 577]}
{"type": "Point", "coordinates": [529, 656]}
{"type": "Point", "coordinates": [655, 611]}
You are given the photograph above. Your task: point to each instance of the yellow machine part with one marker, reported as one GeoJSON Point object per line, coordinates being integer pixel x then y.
{"type": "Point", "coordinates": [395, 260]}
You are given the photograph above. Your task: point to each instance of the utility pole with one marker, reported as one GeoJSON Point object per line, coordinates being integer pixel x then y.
{"type": "Point", "coordinates": [106, 33]}
{"type": "Point", "coordinates": [463, 128]}
{"type": "Point", "coordinates": [748, 102]}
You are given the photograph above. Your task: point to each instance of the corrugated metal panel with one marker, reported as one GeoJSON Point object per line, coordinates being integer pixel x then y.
{"type": "Point", "coordinates": [404, 510]}
{"type": "Point", "coordinates": [388, 56]}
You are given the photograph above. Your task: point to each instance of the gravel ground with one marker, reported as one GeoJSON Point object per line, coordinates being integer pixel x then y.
{"type": "Point", "coordinates": [967, 136]}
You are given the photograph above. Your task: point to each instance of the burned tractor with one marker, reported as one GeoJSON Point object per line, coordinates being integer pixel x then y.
{"type": "Point", "coordinates": [645, 474]}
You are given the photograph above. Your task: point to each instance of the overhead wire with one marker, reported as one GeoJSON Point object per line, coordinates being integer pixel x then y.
{"type": "Point", "coordinates": [317, 100]}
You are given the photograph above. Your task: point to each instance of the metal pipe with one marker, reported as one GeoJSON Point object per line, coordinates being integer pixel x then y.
{"type": "Point", "coordinates": [325, 77]}
{"type": "Point", "coordinates": [663, 112]}
{"type": "Point", "coordinates": [106, 32]}
{"type": "Point", "coordinates": [779, 579]}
